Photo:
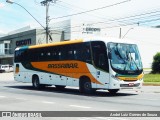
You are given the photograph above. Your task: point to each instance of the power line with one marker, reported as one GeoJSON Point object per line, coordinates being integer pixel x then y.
{"type": "Point", "coordinates": [120, 25]}
{"type": "Point", "coordinates": [77, 8]}
{"type": "Point", "coordinates": [93, 9]}
{"type": "Point", "coordinates": [121, 19]}
{"type": "Point", "coordinates": [124, 19]}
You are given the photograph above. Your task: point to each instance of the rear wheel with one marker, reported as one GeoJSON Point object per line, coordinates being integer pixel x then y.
{"type": "Point", "coordinates": [36, 84]}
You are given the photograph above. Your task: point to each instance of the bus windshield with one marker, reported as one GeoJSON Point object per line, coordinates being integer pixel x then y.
{"type": "Point", "coordinates": [125, 57]}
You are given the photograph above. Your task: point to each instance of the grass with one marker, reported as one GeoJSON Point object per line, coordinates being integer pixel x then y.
{"type": "Point", "coordinates": [153, 79]}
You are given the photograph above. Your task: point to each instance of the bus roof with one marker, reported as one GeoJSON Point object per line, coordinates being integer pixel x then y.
{"type": "Point", "coordinates": [105, 39]}
{"type": "Point", "coordinates": [109, 39]}
{"type": "Point", "coordinates": [50, 44]}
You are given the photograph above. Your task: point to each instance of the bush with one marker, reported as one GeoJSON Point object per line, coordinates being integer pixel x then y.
{"type": "Point", "coordinates": [156, 63]}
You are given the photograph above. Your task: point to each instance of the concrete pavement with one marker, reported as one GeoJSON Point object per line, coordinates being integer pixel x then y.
{"type": "Point", "coordinates": [6, 76]}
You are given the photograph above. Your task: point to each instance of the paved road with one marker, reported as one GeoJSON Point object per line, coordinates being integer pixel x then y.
{"type": "Point", "coordinates": [22, 97]}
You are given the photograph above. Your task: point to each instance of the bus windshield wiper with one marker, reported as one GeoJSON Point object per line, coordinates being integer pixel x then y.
{"type": "Point", "coordinates": [118, 53]}
{"type": "Point", "coordinates": [133, 61]}
{"type": "Point", "coordinates": [130, 60]}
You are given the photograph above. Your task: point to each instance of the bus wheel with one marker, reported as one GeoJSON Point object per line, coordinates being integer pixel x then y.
{"type": "Point", "coordinates": [85, 86]}
{"type": "Point", "coordinates": [60, 87]}
{"type": "Point", "coordinates": [35, 82]}
{"type": "Point", "coordinates": [113, 91]}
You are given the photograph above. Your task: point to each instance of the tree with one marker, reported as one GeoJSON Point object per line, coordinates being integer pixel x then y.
{"type": "Point", "coordinates": [156, 63]}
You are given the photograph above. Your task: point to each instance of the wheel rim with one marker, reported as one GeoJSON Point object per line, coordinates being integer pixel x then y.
{"type": "Point", "coordinates": [36, 83]}
{"type": "Point", "coordinates": [87, 86]}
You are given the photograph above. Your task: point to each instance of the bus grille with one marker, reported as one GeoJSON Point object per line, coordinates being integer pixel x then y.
{"type": "Point", "coordinates": [127, 85]}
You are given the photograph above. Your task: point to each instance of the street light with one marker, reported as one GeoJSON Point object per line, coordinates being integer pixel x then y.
{"type": "Point", "coordinates": [10, 1]}
{"type": "Point", "coordinates": [127, 32]}
{"type": "Point", "coordinates": [47, 31]}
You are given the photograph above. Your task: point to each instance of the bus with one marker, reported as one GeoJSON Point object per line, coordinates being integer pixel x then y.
{"type": "Point", "coordinates": [90, 64]}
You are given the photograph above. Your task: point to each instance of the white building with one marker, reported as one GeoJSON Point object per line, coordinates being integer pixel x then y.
{"type": "Point", "coordinates": [147, 39]}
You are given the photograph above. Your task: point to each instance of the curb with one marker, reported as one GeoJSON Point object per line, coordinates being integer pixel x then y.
{"type": "Point", "coordinates": [151, 84]}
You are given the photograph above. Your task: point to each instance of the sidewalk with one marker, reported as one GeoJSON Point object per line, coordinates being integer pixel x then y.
{"type": "Point", "coordinates": [6, 76]}
{"type": "Point", "coordinates": [150, 89]}
{"type": "Point", "coordinates": [147, 71]}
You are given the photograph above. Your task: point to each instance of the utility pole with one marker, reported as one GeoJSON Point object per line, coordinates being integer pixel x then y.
{"type": "Point", "coordinates": [120, 33]}
{"type": "Point", "coordinates": [47, 3]}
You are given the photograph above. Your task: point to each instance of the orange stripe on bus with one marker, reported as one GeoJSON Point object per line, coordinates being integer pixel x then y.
{"type": "Point", "coordinates": [56, 44]}
{"type": "Point", "coordinates": [74, 69]}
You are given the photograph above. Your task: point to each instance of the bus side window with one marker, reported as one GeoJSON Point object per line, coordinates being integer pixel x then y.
{"type": "Point", "coordinates": [100, 57]}
{"type": "Point", "coordinates": [55, 55]}
{"type": "Point", "coordinates": [77, 54]}
{"type": "Point", "coordinates": [86, 53]}
{"type": "Point", "coordinates": [17, 56]}
{"type": "Point", "coordinates": [102, 62]}
{"type": "Point", "coordinates": [59, 55]}
{"type": "Point", "coordinates": [70, 55]}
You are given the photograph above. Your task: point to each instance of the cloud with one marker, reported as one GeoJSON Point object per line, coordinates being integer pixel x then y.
{"type": "Point", "coordinates": [2, 31]}
{"type": "Point", "coordinates": [2, 5]}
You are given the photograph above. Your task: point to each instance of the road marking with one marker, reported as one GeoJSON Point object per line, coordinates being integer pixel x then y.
{"type": "Point", "coordinates": [146, 99]}
{"type": "Point", "coordinates": [112, 110]}
{"type": "Point", "coordinates": [80, 106]}
{"type": "Point", "coordinates": [47, 102]}
{"type": "Point", "coordinates": [2, 96]}
{"type": "Point", "coordinates": [21, 99]}
{"type": "Point", "coordinates": [87, 118]}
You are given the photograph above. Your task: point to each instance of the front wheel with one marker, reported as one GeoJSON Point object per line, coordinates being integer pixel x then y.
{"type": "Point", "coordinates": [113, 91]}
{"type": "Point", "coordinates": [86, 87]}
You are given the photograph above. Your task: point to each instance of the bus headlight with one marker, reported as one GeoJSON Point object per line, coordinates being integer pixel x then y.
{"type": "Point", "coordinates": [141, 79]}
{"type": "Point", "coordinates": [112, 76]}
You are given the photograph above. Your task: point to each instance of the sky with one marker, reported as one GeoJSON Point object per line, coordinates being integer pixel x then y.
{"type": "Point", "coordinates": [13, 17]}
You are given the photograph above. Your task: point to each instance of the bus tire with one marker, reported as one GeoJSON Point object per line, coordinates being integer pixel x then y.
{"type": "Point", "coordinates": [86, 86]}
{"type": "Point", "coordinates": [35, 82]}
{"type": "Point", "coordinates": [113, 91]}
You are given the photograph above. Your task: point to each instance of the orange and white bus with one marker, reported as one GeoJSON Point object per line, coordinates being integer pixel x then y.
{"type": "Point", "coordinates": [90, 64]}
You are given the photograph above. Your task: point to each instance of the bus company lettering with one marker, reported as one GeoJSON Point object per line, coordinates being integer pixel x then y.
{"type": "Point", "coordinates": [66, 65]}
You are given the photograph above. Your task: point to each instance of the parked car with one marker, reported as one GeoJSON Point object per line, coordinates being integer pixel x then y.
{"type": "Point", "coordinates": [6, 68]}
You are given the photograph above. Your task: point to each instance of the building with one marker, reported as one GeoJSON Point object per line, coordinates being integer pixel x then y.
{"type": "Point", "coordinates": [147, 39]}
{"type": "Point", "coordinates": [9, 42]}
{"type": "Point", "coordinates": [60, 31]}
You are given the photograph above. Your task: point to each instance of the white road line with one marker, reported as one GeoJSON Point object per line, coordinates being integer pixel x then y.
{"type": "Point", "coordinates": [21, 98]}
{"type": "Point", "coordinates": [87, 118]}
{"type": "Point", "coordinates": [47, 102]}
{"type": "Point", "coordinates": [2, 96]}
{"type": "Point", "coordinates": [146, 99]}
{"type": "Point", "coordinates": [80, 106]}
{"type": "Point", "coordinates": [112, 110]}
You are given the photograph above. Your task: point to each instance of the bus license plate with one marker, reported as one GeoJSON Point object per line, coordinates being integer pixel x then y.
{"type": "Point", "coordinates": [131, 84]}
